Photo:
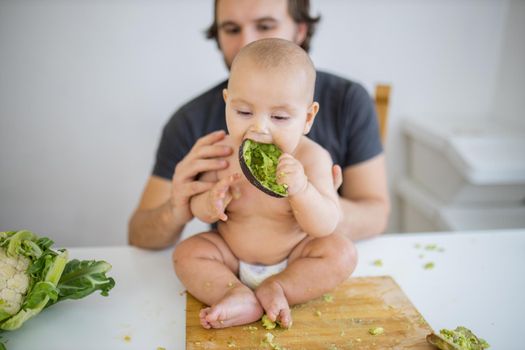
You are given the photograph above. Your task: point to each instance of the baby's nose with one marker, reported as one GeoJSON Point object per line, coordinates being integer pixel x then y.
{"type": "Point", "coordinates": [260, 131]}
{"type": "Point", "coordinates": [260, 126]}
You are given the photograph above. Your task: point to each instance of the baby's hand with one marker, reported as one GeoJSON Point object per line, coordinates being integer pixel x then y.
{"type": "Point", "coordinates": [290, 172]}
{"type": "Point", "coordinates": [221, 195]}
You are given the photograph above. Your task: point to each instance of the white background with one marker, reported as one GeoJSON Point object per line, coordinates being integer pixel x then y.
{"type": "Point", "coordinates": [86, 86]}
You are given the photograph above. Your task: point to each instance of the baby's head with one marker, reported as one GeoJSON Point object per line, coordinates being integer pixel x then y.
{"type": "Point", "coordinates": [270, 94]}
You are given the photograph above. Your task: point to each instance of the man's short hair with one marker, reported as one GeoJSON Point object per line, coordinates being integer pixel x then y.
{"type": "Point", "coordinates": [299, 10]}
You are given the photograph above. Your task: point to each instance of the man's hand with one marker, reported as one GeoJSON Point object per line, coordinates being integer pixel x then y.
{"type": "Point", "coordinates": [204, 156]}
{"type": "Point", "coordinates": [290, 172]}
{"type": "Point", "coordinates": [221, 195]}
{"type": "Point", "coordinates": [337, 175]}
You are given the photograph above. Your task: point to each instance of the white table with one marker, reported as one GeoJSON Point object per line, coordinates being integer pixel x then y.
{"type": "Point", "coordinates": [478, 281]}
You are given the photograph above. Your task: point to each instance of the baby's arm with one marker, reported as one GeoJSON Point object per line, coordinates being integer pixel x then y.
{"type": "Point", "coordinates": [210, 206]}
{"type": "Point", "coordinates": [311, 191]}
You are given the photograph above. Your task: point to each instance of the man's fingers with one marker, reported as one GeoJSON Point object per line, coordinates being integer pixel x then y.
{"type": "Point", "coordinates": [188, 170]}
{"type": "Point", "coordinates": [210, 138]}
{"type": "Point", "coordinates": [210, 151]}
{"type": "Point", "coordinates": [204, 156]}
{"type": "Point", "coordinates": [337, 174]}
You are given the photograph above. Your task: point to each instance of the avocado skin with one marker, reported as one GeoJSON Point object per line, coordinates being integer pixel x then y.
{"type": "Point", "coordinates": [251, 178]}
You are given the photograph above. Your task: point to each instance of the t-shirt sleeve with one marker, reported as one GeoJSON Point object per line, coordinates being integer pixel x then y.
{"type": "Point", "coordinates": [173, 146]}
{"type": "Point", "coordinates": [363, 140]}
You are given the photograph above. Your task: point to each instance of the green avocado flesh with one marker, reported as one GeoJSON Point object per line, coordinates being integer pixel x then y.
{"type": "Point", "coordinates": [262, 160]}
{"type": "Point", "coordinates": [460, 338]}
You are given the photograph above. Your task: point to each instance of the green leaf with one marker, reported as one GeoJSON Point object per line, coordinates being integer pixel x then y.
{"type": "Point", "coordinates": [56, 268]}
{"type": "Point", "coordinates": [4, 314]}
{"type": "Point", "coordinates": [16, 240]}
{"type": "Point", "coordinates": [81, 278]}
{"type": "Point", "coordinates": [40, 292]}
{"type": "Point", "coordinates": [22, 316]}
{"type": "Point", "coordinates": [31, 249]}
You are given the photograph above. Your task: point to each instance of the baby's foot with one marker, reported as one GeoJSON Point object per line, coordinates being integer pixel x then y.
{"type": "Point", "coordinates": [272, 298]}
{"type": "Point", "coordinates": [239, 306]}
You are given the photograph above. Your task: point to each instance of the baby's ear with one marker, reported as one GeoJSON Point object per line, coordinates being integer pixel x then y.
{"type": "Point", "coordinates": [225, 95]}
{"type": "Point", "coordinates": [310, 117]}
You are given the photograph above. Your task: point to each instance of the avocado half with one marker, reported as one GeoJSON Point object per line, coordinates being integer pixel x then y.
{"type": "Point", "coordinates": [460, 338]}
{"type": "Point", "coordinates": [259, 163]}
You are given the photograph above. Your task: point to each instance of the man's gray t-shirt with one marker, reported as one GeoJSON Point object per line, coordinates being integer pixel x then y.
{"type": "Point", "coordinates": [346, 124]}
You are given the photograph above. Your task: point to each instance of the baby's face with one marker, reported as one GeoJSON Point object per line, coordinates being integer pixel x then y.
{"type": "Point", "coordinates": [269, 106]}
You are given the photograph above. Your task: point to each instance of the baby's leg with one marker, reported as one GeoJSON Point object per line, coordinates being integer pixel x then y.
{"type": "Point", "coordinates": [207, 268]}
{"type": "Point", "coordinates": [315, 266]}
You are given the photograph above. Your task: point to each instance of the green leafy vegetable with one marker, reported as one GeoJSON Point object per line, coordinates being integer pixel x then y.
{"type": "Point", "coordinates": [33, 276]}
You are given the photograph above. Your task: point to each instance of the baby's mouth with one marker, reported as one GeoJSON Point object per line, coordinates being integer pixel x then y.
{"type": "Point", "coordinates": [258, 163]}
{"type": "Point", "coordinates": [258, 137]}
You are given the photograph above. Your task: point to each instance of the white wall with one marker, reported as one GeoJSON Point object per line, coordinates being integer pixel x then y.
{"type": "Point", "coordinates": [510, 89]}
{"type": "Point", "coordinates": [441, 57]}
{"type": "Point", "coordinates": [85, 88]}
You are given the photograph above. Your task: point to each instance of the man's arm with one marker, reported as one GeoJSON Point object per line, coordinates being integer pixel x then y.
{"type": "Point", "coordinates": [164, 208]}
{"type": "Point", "coordinates": [155, 224]}
{"type": "Point", "coordinates": [365, 202]}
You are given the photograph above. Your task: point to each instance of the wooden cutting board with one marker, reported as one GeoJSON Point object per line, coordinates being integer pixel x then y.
{"type": "Point", "coordinates": [357, 305]}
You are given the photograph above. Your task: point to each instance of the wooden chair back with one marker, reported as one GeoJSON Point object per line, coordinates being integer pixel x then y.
{"type": "Point", "coordinates": [382, 100]}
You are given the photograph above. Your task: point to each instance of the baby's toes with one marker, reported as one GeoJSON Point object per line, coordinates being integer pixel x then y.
{"type": "Point", "coordinates": [204, 312]}
{"type": "Point", "coordinates": [272, 311]}
{"type": "Point", "coordinates": [285, 318]}
{"type": "Point", "coordinates": [217, 324]}
{"type": "Point", "coordinates": [205, 323]}
{"type": "Point", "coordinates": [202, 318]}
{"type": "Point", "coordinates": [213, 314]}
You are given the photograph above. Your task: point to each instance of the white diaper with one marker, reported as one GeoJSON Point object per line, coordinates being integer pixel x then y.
{"type": "Point", "coordinates": [253, 275]}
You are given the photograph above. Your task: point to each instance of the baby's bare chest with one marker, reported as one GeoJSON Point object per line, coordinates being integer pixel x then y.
{"type": "Point", "coordinates": [253, 201]}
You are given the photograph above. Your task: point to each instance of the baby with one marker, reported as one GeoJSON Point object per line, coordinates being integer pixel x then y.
{"type": "Point", "coordinates": [267, 253]}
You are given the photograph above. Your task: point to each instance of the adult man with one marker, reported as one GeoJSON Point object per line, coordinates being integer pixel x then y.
{"type": "Point", "coordinates": [346, 127]}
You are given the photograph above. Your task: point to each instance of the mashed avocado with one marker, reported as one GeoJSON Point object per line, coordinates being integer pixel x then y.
{"type": "Point", "coordinates": [376, 330]}
{"type": "Point", "coordinates": [267, 323]}
{"type": "Point", "coordinates": [460, 338]}
{"type": "Point", "coordinates": [464, 338]}
{"type": "Point", "coordinates": [261, 159]}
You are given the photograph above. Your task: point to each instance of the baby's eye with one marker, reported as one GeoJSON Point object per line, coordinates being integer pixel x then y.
{"type": "Point", "coordinates": [244, 113]}
{"type": "Point", "coordinates": [280, 117]}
